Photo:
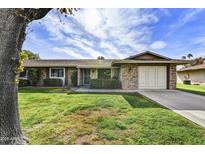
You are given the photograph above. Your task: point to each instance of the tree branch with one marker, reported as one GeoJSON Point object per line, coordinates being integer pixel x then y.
{"type": "Point", "coordinates": [35, 14]}
{"type": "Point", "coordinates": [32, 14]}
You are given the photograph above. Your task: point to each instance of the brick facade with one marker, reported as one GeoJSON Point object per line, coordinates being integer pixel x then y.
{"type": "Point", "coordinates": [44, 73]}
{"type": "Point", "coordinates": [129, 76]}
{"type": "Point", "coordinates": [172, 76]}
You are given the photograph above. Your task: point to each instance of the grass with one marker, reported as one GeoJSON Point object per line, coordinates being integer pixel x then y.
{"type": "Point", "coordinates": [53, 116]}
{"type": "Point", "coordinates": [196, 89]}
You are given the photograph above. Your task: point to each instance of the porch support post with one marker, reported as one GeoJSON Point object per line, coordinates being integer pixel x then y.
{"type": "Point", "coordinates": [78, 77]}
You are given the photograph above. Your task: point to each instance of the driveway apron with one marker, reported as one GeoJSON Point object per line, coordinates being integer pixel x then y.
{"type": "Point", "coordinates": [191, 106]}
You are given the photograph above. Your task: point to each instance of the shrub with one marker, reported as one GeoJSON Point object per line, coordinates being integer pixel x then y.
{"type": "Point", "coordinates": [187, 81]}
{"type": "Point", "coordinates": [105, 84]}
{"type": "Point", "coordinates": [33, 76]}
{"type": "Point", "coordinates": [96, 83]}
{"type": "Point", "coordinates": [23, 83]}
{"type": "Point", "coordinates": [53, 82]}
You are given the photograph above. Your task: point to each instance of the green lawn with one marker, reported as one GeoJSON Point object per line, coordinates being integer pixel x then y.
{"type": "Point", "coordinates": [196, 89]}
{"type": "Point", "coordinates": [52, 116]}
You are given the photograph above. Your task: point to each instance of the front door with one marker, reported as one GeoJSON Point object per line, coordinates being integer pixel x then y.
{"type": "Point", "coordinates": [86, 76]}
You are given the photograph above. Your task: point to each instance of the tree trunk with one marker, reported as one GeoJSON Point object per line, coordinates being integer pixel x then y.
{"type": "Point", "coordinates": [11, 29]}
{"type": "Point", "coordinates": [13, 24]}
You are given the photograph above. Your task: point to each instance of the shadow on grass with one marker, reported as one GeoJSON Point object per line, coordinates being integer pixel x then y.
{"type": "Point", "coordinates": [192, 91]}
{"type": "Point", "coordinates": [42, 90]}
{"type": "Point", "coordinates": [135, 100]}
{"type": "Point", "coordinates": [138, 101]}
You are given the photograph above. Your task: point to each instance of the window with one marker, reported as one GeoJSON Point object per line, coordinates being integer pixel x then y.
{"type": "Point", "coordinates": [23, 75]}
{"type": "Point", "coordinates": [115, 73]}
{"type": "Point", "coordinates": [104, 73]}
{"type": "Point", "coordinates": [57, 72]}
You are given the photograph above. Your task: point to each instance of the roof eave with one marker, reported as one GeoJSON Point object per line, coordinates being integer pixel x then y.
{"type": "Point", "coordinates": [31, 66]}
{"type": "Point", "coordinates": [179, 62]}
{"type": "Point", "coordinates": [184, 70]}
{"type": "Point", "coordinates": [96, 67]}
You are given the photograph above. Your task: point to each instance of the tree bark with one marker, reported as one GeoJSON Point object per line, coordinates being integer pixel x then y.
{"type": "Point", "coordinates": [12, 35]}
{"type": "Point", "coordinates": [10, 31]}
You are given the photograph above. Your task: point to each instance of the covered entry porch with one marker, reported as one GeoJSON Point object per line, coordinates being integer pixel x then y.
{"type": "Point", "coordinates": [85, 75]}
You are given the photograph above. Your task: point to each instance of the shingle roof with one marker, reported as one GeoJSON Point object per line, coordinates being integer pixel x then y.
{"type": "Point", "coordinates": [197, 67]}
{"type": "Point", "coordinates": [95, 63]}
{"type": "Point", "coordinates": [68, 63]}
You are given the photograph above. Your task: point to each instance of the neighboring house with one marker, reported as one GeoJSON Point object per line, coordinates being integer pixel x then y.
{"type": "Point", "coordinates": [194, 73]}
{"type": "Point", "coordinates": [146, 70]}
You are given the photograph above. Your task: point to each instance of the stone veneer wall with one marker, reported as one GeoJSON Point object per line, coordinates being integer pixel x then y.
{"type": "Point", "coordinates": [172, 76]}
{"type": "Point", "coordinates": [129, 76]}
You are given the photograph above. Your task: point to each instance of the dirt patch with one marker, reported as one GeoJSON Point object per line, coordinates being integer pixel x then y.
{"type": "Point", "coordinates": [83, 129]}
{"type": "Point", "coordinates": [89, 139]}
{"type": "Point", "coordinates": [37, 126]}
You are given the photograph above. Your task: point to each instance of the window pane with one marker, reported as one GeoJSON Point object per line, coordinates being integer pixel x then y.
{"type": "Point", "coordinates": [57, 72]}
{"type": "Point", "coordinates": [23, 74]}
{"type": "Point", "coordinates": [104, 73]}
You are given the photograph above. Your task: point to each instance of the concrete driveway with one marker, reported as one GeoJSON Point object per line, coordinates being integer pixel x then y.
{"type": "Point", "coordinates": [189, 105]}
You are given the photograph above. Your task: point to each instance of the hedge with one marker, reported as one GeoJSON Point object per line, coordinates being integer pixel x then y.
{"type": "Point", "coordinates": [53, 82]}
{"type": "Point", "coordinates": [33, 76]}
{"type": "Point", "coordinates": [23, 83]}
{"type": "Point", "coordinates": [187, 81]}
{"type": "Point", "coordinates": [105, 84]}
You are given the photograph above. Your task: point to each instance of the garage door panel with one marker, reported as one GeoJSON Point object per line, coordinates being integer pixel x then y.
{"type": "Point", "coordinates": [151, 81]}
{"type": "Point", "coordinates": [141, 77]}
{"type": "Point", "coordinates": [161, 77]}
{"type": "Point", "coordinates": [152, 77]}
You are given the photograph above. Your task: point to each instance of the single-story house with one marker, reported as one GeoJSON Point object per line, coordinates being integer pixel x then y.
{"type": "Point", "coordinates": [146, 70]}
{"type": "Point", "coordinates": [196, 74]}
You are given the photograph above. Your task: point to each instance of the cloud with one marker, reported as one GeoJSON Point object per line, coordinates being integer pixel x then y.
{"type": "Point", "coordinates": [158, 45]}
{"type": "Point", "coordinates": [35, 40]}
{"type": "Point", "coordinates": [69, 52]}
{"type": "Point", "coordinates": [185, 18]}
{"type": "Point", "coordinates": [106, 32]}
{"type": "Point", "coordinates": [199, 41]}
{"type": "Point", "coordinates": [112, 33]}
{"type": "Point", "coordinates": [118, 33]}
{"type": "Point", "coordinates": [111, 50]}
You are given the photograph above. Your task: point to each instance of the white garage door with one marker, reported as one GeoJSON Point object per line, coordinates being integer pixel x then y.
{"type": "Point", "coordinates": [152, 77]}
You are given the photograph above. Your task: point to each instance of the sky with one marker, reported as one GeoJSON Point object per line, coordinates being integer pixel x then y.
{"type": "Point", "coordinates": [117, 33]}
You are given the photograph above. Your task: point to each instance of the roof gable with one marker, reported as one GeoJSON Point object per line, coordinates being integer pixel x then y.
{"type": "Point", "coordinates": [148, 55]}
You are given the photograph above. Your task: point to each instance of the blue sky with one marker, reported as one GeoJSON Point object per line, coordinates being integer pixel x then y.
{"type": "Point", "coordinates": [118, 33]}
